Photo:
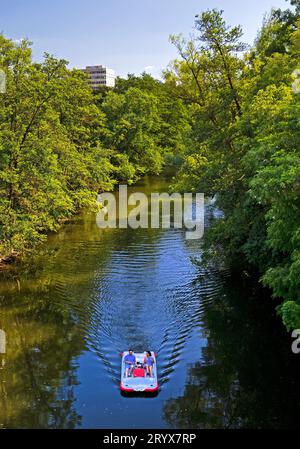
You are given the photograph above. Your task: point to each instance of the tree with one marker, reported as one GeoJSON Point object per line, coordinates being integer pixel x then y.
{"type": "Point", "coordinates": [246, 148]}
{"type": "Point", "coordinates": [51, 160]}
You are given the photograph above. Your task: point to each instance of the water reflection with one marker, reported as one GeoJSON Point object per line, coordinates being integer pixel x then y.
{"type": "Point", "coordinates": [247, 376]}
{"type": "Point", "coordinates": [37, 376]}
{"type": "Point", "coordinates": [90, 293]}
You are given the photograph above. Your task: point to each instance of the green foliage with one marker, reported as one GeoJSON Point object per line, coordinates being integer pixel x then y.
{"type": "Point", "coordinates": [229, 118]}
{"type": "Point", "coordinates": [246, 145]}
{"type": "Point", "coordinates": [61, 143]}
{"type": "Point", "coordinates": [145, 123]}
{"type": "Point", "coordinates": [52, 161]}
{"type": "Point", "coordinates": [290, 312]}
{"type": "Point", "coordinates": [133, 122]}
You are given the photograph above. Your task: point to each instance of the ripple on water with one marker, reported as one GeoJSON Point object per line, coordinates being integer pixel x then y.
{"type": "Point", "coordinates": [145, 294]}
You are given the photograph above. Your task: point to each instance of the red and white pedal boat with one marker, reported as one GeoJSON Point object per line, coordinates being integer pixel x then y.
{"type": "Point", "coordinates": [139, 381]}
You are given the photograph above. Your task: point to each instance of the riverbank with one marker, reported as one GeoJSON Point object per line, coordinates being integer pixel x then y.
{"type": "Point", "coordinates": [224, 358]}
{"type": "Point", "coordinates": [14, 256]}
{"type": "Point", "coordinates": [8, 260]}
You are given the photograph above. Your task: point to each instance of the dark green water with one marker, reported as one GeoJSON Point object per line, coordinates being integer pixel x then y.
{"type": "Point", "coordinates": [224, 359]}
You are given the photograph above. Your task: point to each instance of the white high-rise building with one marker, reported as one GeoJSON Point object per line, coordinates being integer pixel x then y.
{"type": "Point", "coordinates": [100, 76]}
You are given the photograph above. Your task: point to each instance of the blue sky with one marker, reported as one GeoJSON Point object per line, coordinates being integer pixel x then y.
{"type": "Point", "coordinates": [126, 35]}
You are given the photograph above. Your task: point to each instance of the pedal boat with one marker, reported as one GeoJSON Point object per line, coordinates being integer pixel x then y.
{"type": "Point", "coordinates": [139, 381]}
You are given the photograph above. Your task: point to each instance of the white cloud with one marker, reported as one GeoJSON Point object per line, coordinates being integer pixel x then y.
{"type": "Point", "coordinates": [148, 68]}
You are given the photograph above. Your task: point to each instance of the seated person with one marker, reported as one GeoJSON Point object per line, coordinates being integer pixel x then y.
{"type": "Point", "coordinates": [149, 362]}
{"type": "Point", "coordinates": [129, 360]}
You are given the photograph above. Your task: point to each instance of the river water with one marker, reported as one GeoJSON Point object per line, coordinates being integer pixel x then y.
{"type": "Point", "coordinates": [224, 360]}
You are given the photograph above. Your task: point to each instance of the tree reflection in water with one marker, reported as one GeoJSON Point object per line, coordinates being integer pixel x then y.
{"type": "Point", "coordinates": [38, 375]}
{"type": "Point", "coordinates": [247, 371]}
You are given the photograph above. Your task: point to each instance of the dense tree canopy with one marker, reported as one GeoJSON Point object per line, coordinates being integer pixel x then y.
{"type": "Point", "coordinates": [60, 144]}
{"type": "Point", "coordinates": [225, 113]}
{"type": "Point", "coordinates": [51, 158]}
{"type": "Point", "coordinates": [246, 152]}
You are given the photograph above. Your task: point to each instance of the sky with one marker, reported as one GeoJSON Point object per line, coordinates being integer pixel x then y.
{"type": "Point", "coordinates": [129, 36]}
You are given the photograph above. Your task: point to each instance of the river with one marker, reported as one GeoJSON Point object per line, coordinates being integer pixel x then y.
{"type": "Point", "coordinates": [224, 359]}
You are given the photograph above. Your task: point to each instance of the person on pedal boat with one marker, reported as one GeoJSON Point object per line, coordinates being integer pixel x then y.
{"type": "Point", "coordinates": [130, 361]}
{"type": "Point", "coordinates": [149, 362]}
